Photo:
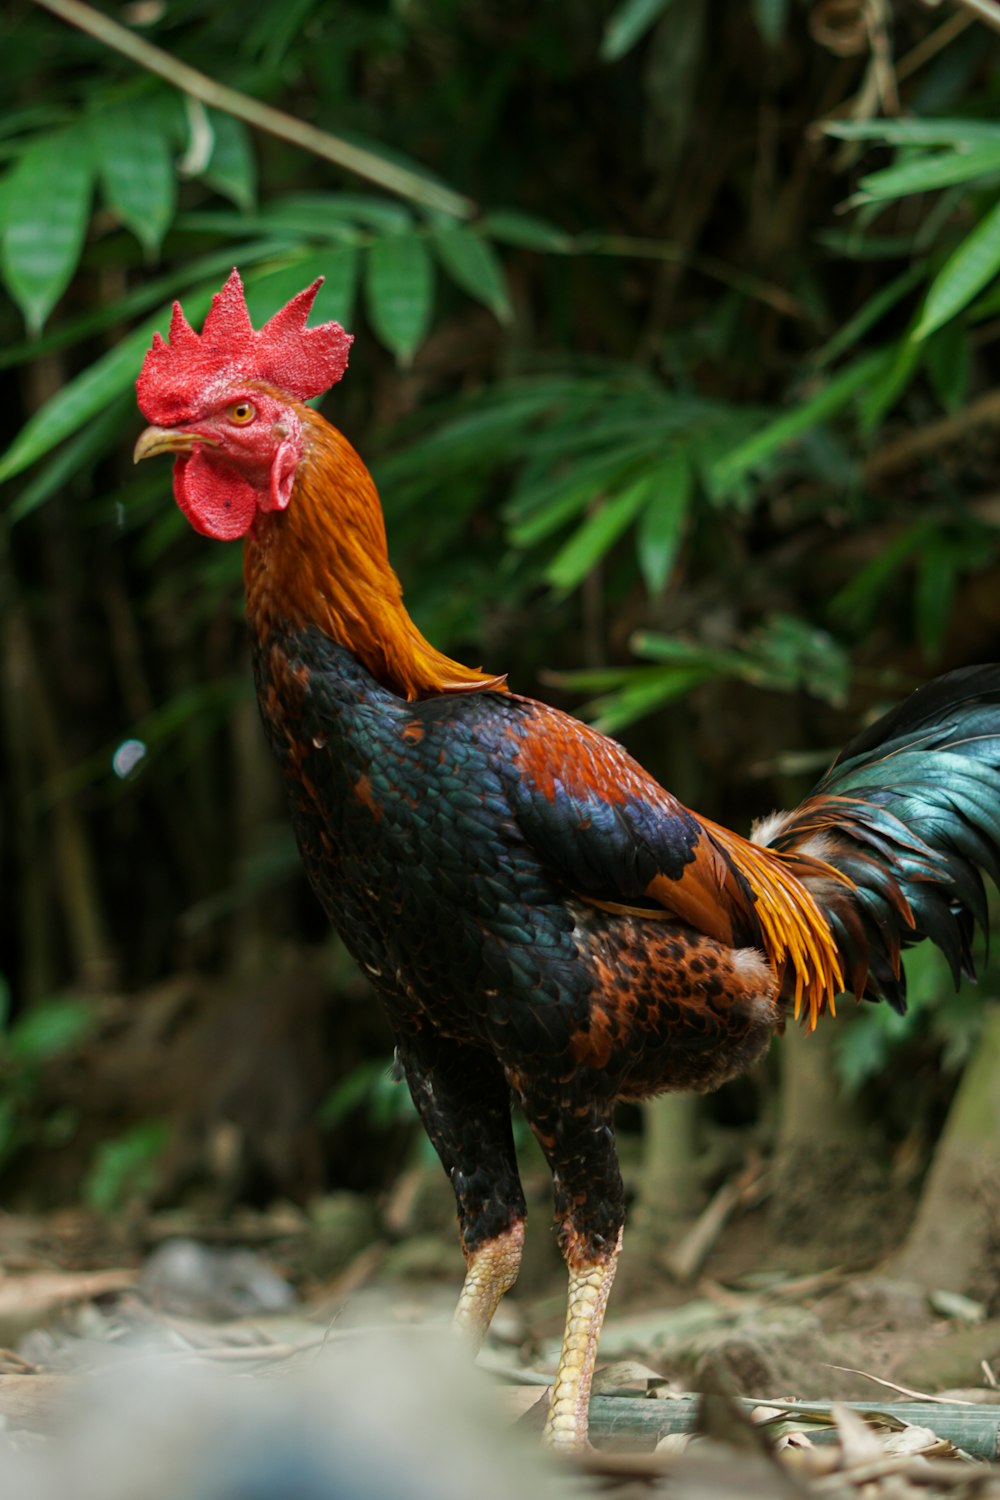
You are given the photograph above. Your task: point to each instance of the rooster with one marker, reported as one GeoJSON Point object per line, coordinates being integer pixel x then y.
{"type": "Point", "coordinates": [539, 917]}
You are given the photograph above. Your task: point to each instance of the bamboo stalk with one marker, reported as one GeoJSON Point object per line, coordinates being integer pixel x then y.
{"type": "Point", "coordinates": [389, 175]}
{"type": "Point", "coordinates": [637, 1421]}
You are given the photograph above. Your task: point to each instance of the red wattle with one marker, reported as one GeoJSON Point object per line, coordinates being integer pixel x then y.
{"type": "Point", "coordinates": [217, 500]}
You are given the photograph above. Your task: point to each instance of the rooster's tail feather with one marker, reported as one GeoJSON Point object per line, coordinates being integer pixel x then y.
{"type": "Point", "coordinates": [904, 821]}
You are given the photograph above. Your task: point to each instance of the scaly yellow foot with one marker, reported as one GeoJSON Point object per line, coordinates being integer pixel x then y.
{"type": "Point", "coordinates": [589, 1285]}
{"type": "Point", "coordinates": [491, 1270]}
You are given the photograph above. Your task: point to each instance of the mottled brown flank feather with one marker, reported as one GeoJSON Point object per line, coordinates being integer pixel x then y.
{"type": "Point", "coordinates": [768, 904]}
{"type": "Point", "coordinates": [693, 1011]}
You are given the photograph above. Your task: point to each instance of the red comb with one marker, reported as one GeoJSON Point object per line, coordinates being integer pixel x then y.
{"type": "Point", "coordinates": [176, 377]}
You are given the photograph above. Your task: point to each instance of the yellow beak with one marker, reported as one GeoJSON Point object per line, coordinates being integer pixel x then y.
{"type": "Point", "coordinates": [167, 440]}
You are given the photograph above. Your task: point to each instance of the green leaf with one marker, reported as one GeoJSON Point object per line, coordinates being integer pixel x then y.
{"type": "Point", "coordinates": [83, 398]}
{"type": "Point", "coordinates": [348, 1095]}
{"type": "Point", "coordinates": [771, 18]}
{"type": "Point", "coordinates": [399, 291]}
{"type": "Point", "coordinates": [865, 1043]}
{"type": "Point", "coordinates": [678, 651]}
{"type": "Point", "coordinates": [731, 468]}
{"type": "Point", "coordinates": [925, 173]}
{"type": "Point", "coordinates": [857, 602]}
{"type": "Point", "coordinates": [902, 363]}
{"type": "Point", "coordinates": [96, 437]}
{"type": "Point", "coordinates": [335, 298]}
{"type": "Point", "coordinates": [148, 293]}
{"type": "Point", "coordinates": [949, 364]}
{"type": "Point", "coordinates": [628, 25]}
{"type": "Point", "coordinates": [855, 244]}
{"type": "Point", "coordinates": [231, 169]}
{"type": "Point", "coordinates": [785, 654]}
{"type": "Point", "coordinates": [935, 592]}
{"type": "Point", "coordinates": [314, 212]}
{"type": "Point", "coordinates": [943, 132]}
{"type": "Point", "coordinates": [50, 1030]}
{"type": "Point", "coordinates": [47, 210]}
{"type": "Point", "coordinates": [657, 687]}
{"type": "Point", "coordinates": [965, 273]}
{"type": "Point", "coordinates": [126, 1167]}
{"type": "Point", "coordinates": [869, 314]}
{"type": "Point", "coordinates": [136, 169]}
{"type": "Point", "coordinates": [511, 227]}
{"type": "Point", "coordinates": [661, 525]}
{"type": "Point", "coordinates": [474, 265]}
{"type": "Point", "coordinates": [544, 500]}
{"type": "Point", "coordinates": [585, 548]}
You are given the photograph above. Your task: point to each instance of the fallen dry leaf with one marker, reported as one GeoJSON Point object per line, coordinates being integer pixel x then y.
{"type": "Point", "coordinates": [26, 1301]}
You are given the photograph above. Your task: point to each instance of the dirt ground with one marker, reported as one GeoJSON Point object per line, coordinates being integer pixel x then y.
{"type": "Point", "coordinates": [325, 1335]}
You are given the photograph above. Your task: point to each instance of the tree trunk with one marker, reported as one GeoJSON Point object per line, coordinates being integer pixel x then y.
{"type": "Point", "coordinates": [814, 1115]}
{"type": "Point", "coordinates": [820, 1156]}
{"type": "Point", "coordinates": [954, 1234]}
{"type": "Point", "coordinates": [669, 1191]}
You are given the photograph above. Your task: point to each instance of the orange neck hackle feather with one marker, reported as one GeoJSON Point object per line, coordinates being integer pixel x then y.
{"type": "Point", "coordinates": [324, 562]}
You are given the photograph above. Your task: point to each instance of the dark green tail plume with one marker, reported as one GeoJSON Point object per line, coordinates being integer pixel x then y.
{"type": "Point", "coordinates": [910, 812]}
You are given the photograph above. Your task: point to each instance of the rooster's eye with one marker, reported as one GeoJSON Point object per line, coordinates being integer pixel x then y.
{"type": "Point", "coordinates": [241, 413]}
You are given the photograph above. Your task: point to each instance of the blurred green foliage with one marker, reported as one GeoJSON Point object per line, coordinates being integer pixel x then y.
{"type": "Point", "coordinates": [685, 409]}
{"type": "Point", "coordinates": [125, 1168]}
{"type": "Point", "coordinates": [50, 1032]}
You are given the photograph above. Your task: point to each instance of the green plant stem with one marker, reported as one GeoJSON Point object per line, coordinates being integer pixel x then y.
{"type": "Point", "coordinates": [388, 175]}
{"type": "Point", "coordinates": [641, 248]}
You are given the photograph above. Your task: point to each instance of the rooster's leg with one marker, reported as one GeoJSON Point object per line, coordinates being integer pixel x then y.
{"type": "Point", "coordinates": [590, 1209]}
{"type": "Point", "coordinates": [491, 1270]}
{"type": "Point", "coordinates": [463, 1099]}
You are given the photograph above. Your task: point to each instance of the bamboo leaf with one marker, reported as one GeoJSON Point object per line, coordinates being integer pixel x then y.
{"type": "Point", "coordinates": [925, 173]}
{"type": "Point", "coordinates": [83, 398]}
{"type": "Point", "coordinates": [312, 213]}
{"type": "Point", "coordinates": [628, 25]}
{"type": "Point", "coordinates": [661, 525]}
{"type": "Point", "coordinates": [596, 536]}
{"type": "Point", "coordinates": [474, 265]}
{"type": "Point", "coordinates": [231, 169]}
{"type": "Point", "coordinates": [949, 364]}
{"type": "Point", "coordinates": [51, 1030]}
{"type": "Point", "coordinates": [732, 467]}
{"type": "Point", "coordinates": [933, 597]}
{"type": "Point", "coordinates": [869, 314]}
{"type": "Point", "coordinates": [857, 602]}
{"type": "Point", "coordinates": [95, 438]}
{"type": "Point", "coordinates": [659, 686]}
{"type": "Point", "coordinates": [545, 500]}
{"type": "Point", "coordinates": [675, 650]}
{"type": "Point", "coordinates": [46, 209]}
{"type": "Point", "coordinates": [965, 273]}
{"type": "Point", "coordinates": [512, 227]}
{"type": "Point", "coordinates": [943, 132]}
{"type": "Point", "coordinates": [399, 291]}
{"type": "Point", "coordinates": [148, 293]}
{"type": "Point", "coordinates": [335, 298]}
{"type": "Point", "coordinates": [903, 362]}
{"type": "Point", "coordinates": [136, 170]}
